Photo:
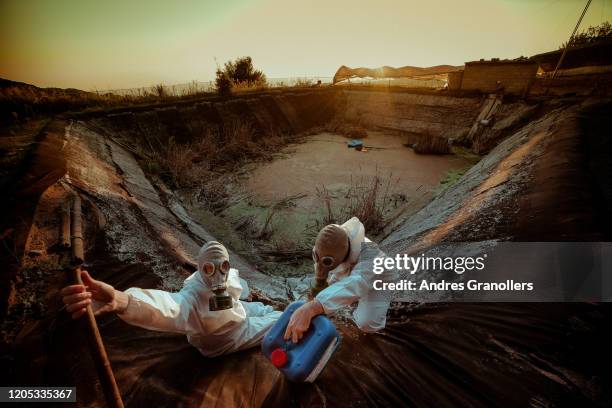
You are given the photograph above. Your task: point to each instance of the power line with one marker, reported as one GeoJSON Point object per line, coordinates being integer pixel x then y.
{"type": "Point", "coordinates": [571, 37]}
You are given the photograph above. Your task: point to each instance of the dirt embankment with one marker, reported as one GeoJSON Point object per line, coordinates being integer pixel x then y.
{"type": "Point", "coordinates": [32, 162]}
{"type": "Point", "coordinates": [184, 123]}
{"type": "Point", "coordinates": [547, 180]}
{"type": "Point", "coordinates": [542, 183]}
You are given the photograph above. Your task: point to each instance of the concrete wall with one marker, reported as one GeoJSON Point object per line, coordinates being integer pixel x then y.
{"type": "Point", "coordinates": [454, 80]}
{"type": "Point", "coordinates": [438, 115]}
{"type": "Point", "coordinates": [516, 77]}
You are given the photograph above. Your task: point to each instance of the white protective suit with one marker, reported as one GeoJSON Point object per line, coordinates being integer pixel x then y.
{"type": "Point", "coordinates": [187, 311]}
{"type": "Point", "coordinates": [352, 282]}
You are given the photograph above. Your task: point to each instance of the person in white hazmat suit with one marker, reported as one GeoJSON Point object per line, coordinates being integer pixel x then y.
{"type": "Point", "coordinates": [344, 259]}
{"type": "Point", "coordinates": [208, 309]}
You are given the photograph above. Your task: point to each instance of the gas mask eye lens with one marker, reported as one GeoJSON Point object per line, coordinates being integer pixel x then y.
{"type": "Point", "coordinates": [209, 268]}
{"type": "Point", "coordinates": [327, 261]}
{"type": "Point", "coordinates": [225, 267]}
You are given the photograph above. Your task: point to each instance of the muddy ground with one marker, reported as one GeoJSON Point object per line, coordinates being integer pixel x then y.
{"type": "Point", "coordinates": [281, 199]}
{"type": "Point", "coordinates": [324, 159]}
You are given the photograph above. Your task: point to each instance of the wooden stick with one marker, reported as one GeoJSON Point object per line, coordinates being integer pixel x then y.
{"type": "Point", "coordinates": [65, 226]}
{"type": "Point", "coordinates": [78, 253]}
{"type": "Point", "coordinates": [105, 372]}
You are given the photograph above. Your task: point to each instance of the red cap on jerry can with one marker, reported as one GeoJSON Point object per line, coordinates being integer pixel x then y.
{"type": "Point", "coordinates": [278, 357]}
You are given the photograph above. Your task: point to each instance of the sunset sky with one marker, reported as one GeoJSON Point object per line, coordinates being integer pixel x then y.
{"type": "Point", "coordinates": [122, 44]}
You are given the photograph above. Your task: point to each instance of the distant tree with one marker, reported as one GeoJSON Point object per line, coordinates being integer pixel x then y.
{"type": "Point", "coordinates": [223, 83]}
{"type": "Point", "coordinates": [238, 72]}
{"type": "Point", "coordinates": [591, 35]}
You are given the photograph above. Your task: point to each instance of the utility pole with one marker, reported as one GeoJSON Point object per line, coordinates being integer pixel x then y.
{"type": "Point", "coordinates": [569, 42]}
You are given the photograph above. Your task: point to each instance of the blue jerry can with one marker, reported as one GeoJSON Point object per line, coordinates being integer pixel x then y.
{"type": "Point", "coordinates": [304, 361]}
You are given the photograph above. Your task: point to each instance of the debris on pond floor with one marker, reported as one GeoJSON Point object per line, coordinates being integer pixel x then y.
{"type": "Point", "coordinates": [355, 143]}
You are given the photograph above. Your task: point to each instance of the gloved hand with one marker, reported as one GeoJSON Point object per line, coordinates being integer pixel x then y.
{"type": "Point", "coordinates": [105, 298]}
{"type": "Point", "coordinates": [300, 320]}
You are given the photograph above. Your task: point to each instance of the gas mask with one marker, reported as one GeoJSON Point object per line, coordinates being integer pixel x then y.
{"type": "Point", "coordinates": [214, 267]}
{"type": "Point", "coordinates": [332, 247]}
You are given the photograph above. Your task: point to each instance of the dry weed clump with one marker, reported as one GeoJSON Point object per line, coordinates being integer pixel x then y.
{"type": "Point", "coordinates": [216, 150]}
{"type": "Point", "coordinates": [235, 143]}
{"type": "Point", "coordinates": [304, 83]}
{"type": "Point", "coordinates": [367, 198]}
{"type": "Point", "coordinates": [431, 144]}
{"type": "Point", "coordinates": [160, 91]}
{"type": "Point", "coordinates": [203, 164]}
{"type": "Point", "coordinates": [213, 193]}
{"type": "Point", "coordinates": [181, 164]}
{"type": "Point", "coordinates": [245, 86]}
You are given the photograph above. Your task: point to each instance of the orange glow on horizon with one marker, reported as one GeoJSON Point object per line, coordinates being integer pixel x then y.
{"type": "Point", "coordinates": [114, 44]}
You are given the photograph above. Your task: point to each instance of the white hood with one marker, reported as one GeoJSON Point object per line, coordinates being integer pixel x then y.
{"type": "Point", "coordinates": [356, 233]}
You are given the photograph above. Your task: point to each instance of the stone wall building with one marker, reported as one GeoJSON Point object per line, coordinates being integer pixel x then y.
{"type": "Point", "coordinates": [515, 76]}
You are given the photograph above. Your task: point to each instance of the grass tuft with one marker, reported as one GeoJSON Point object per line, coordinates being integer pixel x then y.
{"type": "Point", "coordinates": [368, 198]}
{"type": "Point", "coordinates": [431, 144]}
